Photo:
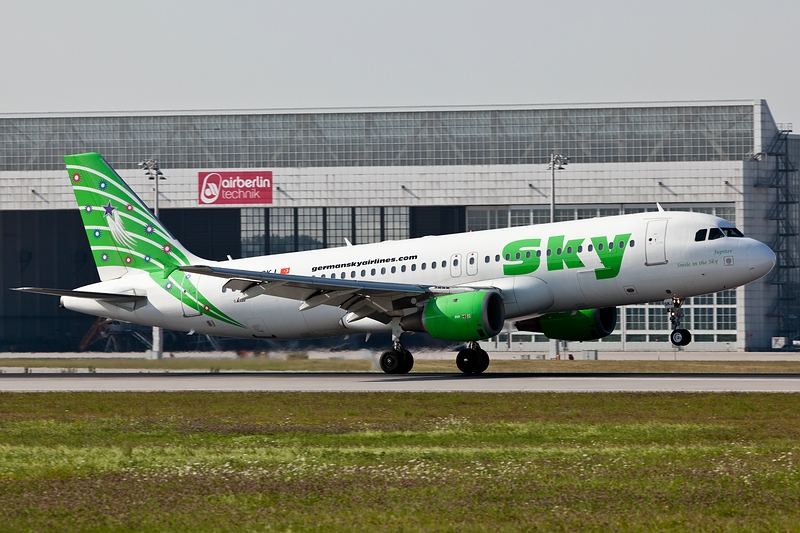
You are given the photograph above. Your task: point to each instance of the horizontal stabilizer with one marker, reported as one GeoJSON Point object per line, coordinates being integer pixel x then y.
{"type": "Point", "coordinates": [104, 296]}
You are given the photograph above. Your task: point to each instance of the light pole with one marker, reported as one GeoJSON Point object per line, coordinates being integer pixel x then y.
{"type": "Point", "coordinates": [557, 162]}
{"type": "Point", "coordinates": [151, 170]}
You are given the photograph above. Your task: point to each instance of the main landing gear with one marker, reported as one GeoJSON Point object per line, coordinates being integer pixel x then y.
{"type": "Point", "coordinates": [679, 336]}
{"type": "Point", "coordinates": [398, 360]}
{"type": "Point", "coordinates": [472, 359]}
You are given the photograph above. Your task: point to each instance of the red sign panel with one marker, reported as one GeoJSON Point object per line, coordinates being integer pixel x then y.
{"type": "Point", "coordinates": [250, 187]}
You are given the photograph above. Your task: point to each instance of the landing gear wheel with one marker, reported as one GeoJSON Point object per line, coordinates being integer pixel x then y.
{"type": "Point", "coordinates": [391, 361]}
{"type": "Point", "coordinates": [680, 337]}
{"type": "Point", "coordinates": [472, 360]}
{"type": "Point", "coordinates": [467, 360]}
{"type": "Point", "coordinates": [483, 363]}
{"type": "Point", "coordinates": [407, 363]}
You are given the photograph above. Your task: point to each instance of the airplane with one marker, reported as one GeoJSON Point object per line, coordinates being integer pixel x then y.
{"type": "Point", "coordinates": [561, 279]}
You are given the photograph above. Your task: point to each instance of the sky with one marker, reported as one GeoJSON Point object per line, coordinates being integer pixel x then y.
{"type": "Point", "coordinates": [161, 55]}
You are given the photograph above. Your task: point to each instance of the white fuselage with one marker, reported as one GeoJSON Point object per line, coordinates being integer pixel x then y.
{"type": "Point", "coordinates": [652, 256]}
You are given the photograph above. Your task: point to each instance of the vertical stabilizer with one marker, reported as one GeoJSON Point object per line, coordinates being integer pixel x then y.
{"type": "Point", "coordinates": [124, 235]}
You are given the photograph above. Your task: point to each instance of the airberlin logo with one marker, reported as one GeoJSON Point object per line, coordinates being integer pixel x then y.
{"type": "Point", "coordinates": [251, 187]}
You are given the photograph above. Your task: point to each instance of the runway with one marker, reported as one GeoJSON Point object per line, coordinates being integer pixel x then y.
{"type": "Point", "coordinates": [376, 382]}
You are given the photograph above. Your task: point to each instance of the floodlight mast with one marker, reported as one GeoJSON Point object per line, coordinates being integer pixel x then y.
{"type": "Point", "coordinates": [151, 170]}
{"type": "Point", "coordinates": [557, 162]}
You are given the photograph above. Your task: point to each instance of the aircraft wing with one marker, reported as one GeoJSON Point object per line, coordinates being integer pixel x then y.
{"type": "Point", "coordinates": [374, 299]}
{"type": "Point", "coordinates": [104, 296]}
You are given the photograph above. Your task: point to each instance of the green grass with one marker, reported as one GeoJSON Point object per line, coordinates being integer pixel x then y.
{"type": "Point", "coordinates": [421, 365]}
{"type": "Point", "coordinates": [399, 462]}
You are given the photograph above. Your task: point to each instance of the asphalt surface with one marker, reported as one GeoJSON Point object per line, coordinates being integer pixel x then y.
{"type": "Point", "coordinates": [414, 382]}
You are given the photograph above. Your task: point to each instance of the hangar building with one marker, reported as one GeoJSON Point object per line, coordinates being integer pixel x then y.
{"type": "Point", "coordinates": [390, 173]}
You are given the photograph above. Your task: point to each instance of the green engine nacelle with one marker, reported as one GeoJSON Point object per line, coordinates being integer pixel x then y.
{"type": "Point", "coordinates": [581, 325]}
{"type": "Point", "coordinates": [464, 316]}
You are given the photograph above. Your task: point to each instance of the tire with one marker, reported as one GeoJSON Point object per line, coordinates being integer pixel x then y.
{"type": "Point", "coordinates": [483, 362]}
{"type": "Point", "coordinates": [680, 337]}
{"type": "Point", "coordinates": [391, 361]}
{"type": "Point", "coordinates": [407, 363]}
{"type": "Point", "coordinates": [468, 360]}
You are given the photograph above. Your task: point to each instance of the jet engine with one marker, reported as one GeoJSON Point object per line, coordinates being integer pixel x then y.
{"type": "Point", "coordinates": [464, 316]}
{"type": "Point", "coordinates": [581, 325]}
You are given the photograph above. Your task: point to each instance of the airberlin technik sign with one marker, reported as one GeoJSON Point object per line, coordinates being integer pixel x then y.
{"type": "Point", "coordinates": [250, 187]}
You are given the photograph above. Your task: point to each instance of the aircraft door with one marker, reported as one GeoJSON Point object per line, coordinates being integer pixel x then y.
{"type": "Point", "coordinates": [655, 246]}
{"type": "Point", "coordinates": [472, 264]}
{"type": "Point", "coordinates": [189, 288]}
{"type": "Point", "coordinates": [455, 265]}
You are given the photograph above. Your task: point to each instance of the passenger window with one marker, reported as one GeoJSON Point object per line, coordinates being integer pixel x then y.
{"type": "Point", "coordinates": [383, 271]}
{"type": "Point", "coordinates": [700, 236]}
{"type": "Point", "coordinates": [424, 266]}
{"type": "Point", "coordinates": [714, 234]}
{"type": "Point", "coordinates": [486, 259]}
{"type": "Point", "coordinates": [444, 264]}
{"type": "Point", "coordinates": [433, 264]}
{"type": "Point", "coordinates": [455, 261]}
{"type": "Point", "coordinates": [403, 268]}
{"type": "Point", "coordinates": [394, 270]}
{"type": "Point", "coordinates": [497, 258]}
{"type": "Point", "coordinates": [363, 273]}
{"type": "Point", "coordinates": [472, 259]}
{"type": "Point", "coordinates": [372, 272]}
{"type": "Point", "coordinates": [414, 267]}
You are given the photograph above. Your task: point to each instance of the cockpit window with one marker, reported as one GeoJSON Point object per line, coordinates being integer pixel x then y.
{"type": "Point", "coordinates": [700, 235]}
{"type": "Point", "coordinates": [732, 232]}
{"type": "Point", "coordinates": [715, 233]}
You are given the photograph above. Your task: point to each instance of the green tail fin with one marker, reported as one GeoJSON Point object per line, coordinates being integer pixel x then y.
{"type": "Point", "coordinates": [123, 233]}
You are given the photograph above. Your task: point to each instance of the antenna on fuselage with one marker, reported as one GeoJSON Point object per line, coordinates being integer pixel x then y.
{"type": "Point", "coordinates": [660, 209]}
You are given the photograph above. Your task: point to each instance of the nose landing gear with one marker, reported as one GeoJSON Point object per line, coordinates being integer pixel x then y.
{"type": "Point", "coordinates": [679, 336]}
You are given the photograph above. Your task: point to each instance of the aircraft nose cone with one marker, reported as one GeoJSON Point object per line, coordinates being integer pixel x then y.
{"type": "Point", "coordinates": [760, 258]}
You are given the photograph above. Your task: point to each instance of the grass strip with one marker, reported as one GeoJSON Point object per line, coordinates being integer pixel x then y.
{"type": "Point", "coordinates": [399, 461]}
